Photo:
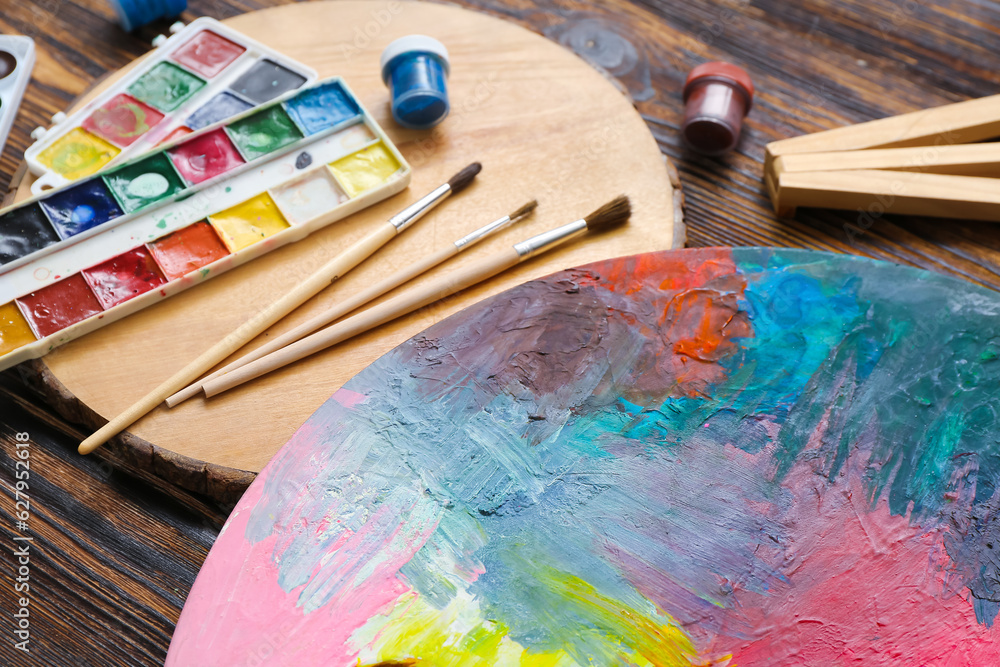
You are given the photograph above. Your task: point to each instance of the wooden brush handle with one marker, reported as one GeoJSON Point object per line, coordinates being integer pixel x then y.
{"type": "Point", "coordinates": [958, 123]}
{"type": "Point", "coordinates": [330, 271]}
{"type": "Point", "coordinates": [324, 318]}
{"type": "Point", "coordinates": [904, 192]}
{"type": "Point", "coordinates": [373, 317]}
{"type": "Point", "coordinates": [959, 160]}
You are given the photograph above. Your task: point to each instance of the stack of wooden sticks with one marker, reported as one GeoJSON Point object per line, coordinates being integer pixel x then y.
{"type": "Point", "coordinates": [921, 163]}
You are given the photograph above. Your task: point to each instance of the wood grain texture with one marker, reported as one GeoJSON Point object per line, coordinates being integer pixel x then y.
{"type": "Point", "coordinates": [544, 124]}
{"type": "Point", "coordinates": [114, 549]}
{"type": "Point", "coordinates": [817, 64]}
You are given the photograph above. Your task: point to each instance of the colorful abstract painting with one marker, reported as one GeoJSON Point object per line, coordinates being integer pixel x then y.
{"type": "Point", "coordinates": [752, 457]}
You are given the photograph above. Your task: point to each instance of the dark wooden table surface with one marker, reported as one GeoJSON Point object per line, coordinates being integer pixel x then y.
{"type": "Point", "coordinates": [115, 552]}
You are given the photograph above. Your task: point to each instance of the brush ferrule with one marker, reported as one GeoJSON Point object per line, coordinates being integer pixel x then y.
{"type": "Point", "coordinates": [483, 232]}
{"type": "Point", "coordinates": [553, 237]}
{"type": "Point", "coordinates": [419, 208]}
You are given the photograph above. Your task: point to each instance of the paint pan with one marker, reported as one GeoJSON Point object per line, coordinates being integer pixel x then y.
{"type": "Point", "coordinates": [88, 253]}
{"type": "Point", "coordinates": [53, 308]}
{"type": "Point", "coordinates": [81, 207]}
{"type": "Point", "coordinates": [206, 157]}
{"type": "Point", "coordinates": [23, 231]}
{"type": "Point", "coordinates": [187, 250]}
{"type": "Point", "coordinates": [14, 329]}
{"type": "Point", "coordinates": [17, 58]}
{"type": "Point", "coordinates": [124, 277]}
{"type": "Point", "coordinates": [202, 75]}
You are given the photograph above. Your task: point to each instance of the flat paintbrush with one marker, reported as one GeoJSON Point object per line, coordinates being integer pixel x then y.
{"type": "Point", "coordinates": [609, 216]}
{"type": "Point", "coordinates": [304, 291]}
{"type": "Point", "coordinates": [361, 298]}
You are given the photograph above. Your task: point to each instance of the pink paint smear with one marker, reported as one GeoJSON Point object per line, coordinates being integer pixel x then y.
{"type": "Point", "coordinates": [866, 588]}
{"type": "Point", "coordinates": [264, 625]}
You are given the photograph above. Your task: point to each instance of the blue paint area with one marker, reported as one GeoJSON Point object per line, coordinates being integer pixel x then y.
{"type": "Point", "coordinates": [820, 335]}
{"type": "Point", "coordinates": [321, 107]}
{"type": "Point", "coordinates": [81, 207]}
{"type": "Point", "coordinates": [135, 13]}
{"type": "Point", "coordinates": [220, 107]}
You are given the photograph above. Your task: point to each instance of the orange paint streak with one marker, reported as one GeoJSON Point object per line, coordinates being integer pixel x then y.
{"type": "Point", "coordinates": [698, 293]}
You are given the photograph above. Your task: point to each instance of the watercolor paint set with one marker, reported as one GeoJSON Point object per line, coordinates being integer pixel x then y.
{"type": "Point", "coordinates": [203, 74]}
{"type": "Point", "coordinates": [17, 59]}
{"type": "Point", "coordinates": [86, 254]}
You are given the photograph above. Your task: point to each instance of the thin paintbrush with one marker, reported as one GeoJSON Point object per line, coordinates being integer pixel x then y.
{"type": "Point", "coordinates": [610, 215]}
{"type": "Point", "coordinates": [378, 289]}
{"type": "Point", "coordinates": [329, 272]}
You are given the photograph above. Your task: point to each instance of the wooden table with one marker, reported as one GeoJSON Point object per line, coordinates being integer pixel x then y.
{"type": "Point", "coordinates": [115, 552]}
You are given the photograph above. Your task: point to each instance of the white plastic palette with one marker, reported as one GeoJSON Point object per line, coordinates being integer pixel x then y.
{"type": "Point", "coordinates": [204, 73]}
{"type": "Point", "coordinates": [340, 163]}
{"type": "Point", "coordinates": [17, 58]}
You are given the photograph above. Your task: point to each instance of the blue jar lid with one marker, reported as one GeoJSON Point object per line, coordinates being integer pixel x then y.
{"type": "Point", "coordinates": [135, 13]}
{"type": "Point", "coordinates": [411, 44]}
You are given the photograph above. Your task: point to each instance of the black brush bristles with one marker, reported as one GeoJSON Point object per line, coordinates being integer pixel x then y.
{"type": "Point", "coordinates": [461, 180]}
{"type": "Point", "coordinates": [613, 214]}
{"type": "Point", "coordinates": [524, 210]}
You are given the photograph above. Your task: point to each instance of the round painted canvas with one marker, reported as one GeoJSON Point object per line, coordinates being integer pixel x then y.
{"type": "Point", "coordinates": [749, 456]}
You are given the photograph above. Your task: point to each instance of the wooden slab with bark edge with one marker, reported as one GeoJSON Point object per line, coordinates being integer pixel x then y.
{"type": "Point", "coordinates": [544, 124]}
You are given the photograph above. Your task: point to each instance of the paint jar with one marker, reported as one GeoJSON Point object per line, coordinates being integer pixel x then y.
{"type": "Point", "coordinates": [717, 96]}
{"type": "Point", "coordinates": [416, 70]}
{"type": "Point", "coordinates": [135, 13]}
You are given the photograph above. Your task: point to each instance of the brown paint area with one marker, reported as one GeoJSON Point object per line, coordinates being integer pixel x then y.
{"type": "Point", "coordinates": [8, 63]}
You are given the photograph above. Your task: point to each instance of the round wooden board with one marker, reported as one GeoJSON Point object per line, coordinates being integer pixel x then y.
{"type": "Point", "coordinates": [544, 124]}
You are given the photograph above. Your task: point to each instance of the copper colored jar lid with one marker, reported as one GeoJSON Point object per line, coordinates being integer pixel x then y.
{"type": "Point", "coordinates": [721, 71]}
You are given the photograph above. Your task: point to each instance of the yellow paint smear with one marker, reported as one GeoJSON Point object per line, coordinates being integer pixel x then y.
{"type": "Point", "coordinates": [247, 223]}
{"type": "Point", "coordinates": [456, 636]}
{"type": "Point", "coordinates": [14, 329]}
{"type": "Point", "coordinates": [77, 154]}
{"type": "Point", "coordinates": [365, 169]}
{"type": "Point", "coordinates": [459, 636]}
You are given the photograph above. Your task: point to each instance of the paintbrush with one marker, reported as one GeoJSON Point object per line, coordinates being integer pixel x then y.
{"type": "Point", "coordinates": [378, 289]}
{"type": "Point", "coordinates": [305, 290]}
{"type": "Point", "coordinates": [609, 216]}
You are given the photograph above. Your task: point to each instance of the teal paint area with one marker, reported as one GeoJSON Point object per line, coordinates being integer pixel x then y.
{"type": "Point", "coordinates": [145, 182]}
{"type": "Point", "coordinates": [843, 353]}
